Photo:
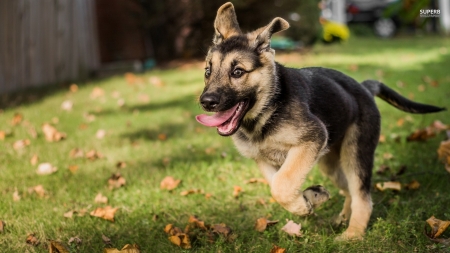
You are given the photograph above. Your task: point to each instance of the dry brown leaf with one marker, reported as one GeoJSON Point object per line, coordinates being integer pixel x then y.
{"type": "Point", "coordinates": [2, 226]}
{"type": "Point", "coordinates": [208, 195]}
{"type": "Point", "coordinates": [388, 156]}
{"type": "Point", "coordinates": [75, 240]}
{"type": "Point", "coordinates": [116, 181]}
{"type": "Point", "coordinates": [97, 92]}
{"type": "Point", "coordinates": [73, 168]}
{"type": "Point", "coordinates": [276, 249]}
{"type": "Point", "coordinates": [221, 229]}
{"type": "Point", "coordinates": [292, 228]}
{"type": "Point", "coordinates": [382, 169]}
{"type": "Point", "coordinates": [237, 190]}
{"type": "Point", "coordinates": [38, 189]}
{"type": "Point", "coordinates": [46, 169]}
{"type": "Point", "coordinates": [191, 191]}
{"type": "Point", "coordinates": [100, 134]}
{"type": "Point", "coordinates": [128, 248]}
{"type": "Point", "coordinates": [2, 135]}
{"type": "Point", "coordinates": [93, 155]}
{"type": "Point", "coordinates": [162, 137]}
{"type": "Point", "coordinates": [196, 222]}
{"type": "Point", "coordinates": [182, 240]}
{"type": "Point", "coordinates": [101, 199]}
{"type": "Point", "coordinates": [32, 240]}
{"type": "Point", "coordinates": [67, 105]}
{"type": "Point", "coordinates": [121, 165]}
{"type": "Point", "coordinates": [73, 88]}
{"type": "Point", "coordinates": [69, 214]}
{"type": "Point", "coordinates": [105, 239]}
{"type": "Point", "coordinates": [16, 196]}
{"type": "Point", "coordinates": [156, 81]}
{"type": "Point", "coordinates": [20, 144]}
{"type": "Point", "coordinates": [76, 153]}
{"type": "Point", "coordinates": [413, 185]}
{"type": "Point", "coordinates": [57, 247]}
{"type": "Point", "coordinates": [106, 213]}
{"type": "Point", "coordinates": [444, 153]}
{"type": "Point", "coordinates": [172, 230]}
{"type": "Point", "coordinates": [34, 159]}
{"type": "Point", "coordinates": [437, 226]}
{"type": "Point", "coordinates": [256, 180]}
{"type": "Point", "coordinates": [52, 134]}
{"type": "Point", "coordinates": [262, 223]}
{"type": "Point", "coordinates": [430, 131]}
{"type": "Point", "coordinates": [17, 119]}
{"type": "Point", "coordinates": [382, 138]}
{"type": "Point", "coordinates": [169, 183]}
{"type": "Point", "coordinates": [400, 122]}
{"type": "Point", "coordinates": [396, 186]}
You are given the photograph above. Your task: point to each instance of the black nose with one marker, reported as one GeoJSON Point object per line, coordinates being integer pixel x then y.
{"type": "Point", "coordinates": [209, 101]}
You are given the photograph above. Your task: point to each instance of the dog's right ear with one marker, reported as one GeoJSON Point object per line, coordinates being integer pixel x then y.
{"type": "Point", "coordinates": [226, 24]}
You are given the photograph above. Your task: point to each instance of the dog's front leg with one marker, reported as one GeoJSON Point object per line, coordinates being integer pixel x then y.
{"type": "Point", "coordinates": [286, 183]}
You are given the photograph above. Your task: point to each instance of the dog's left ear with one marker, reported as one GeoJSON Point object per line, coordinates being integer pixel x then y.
{"type": "Point", "coordinates": [263, 34]}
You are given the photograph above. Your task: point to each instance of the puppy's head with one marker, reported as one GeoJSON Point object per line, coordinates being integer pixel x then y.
{"type": "Point", "coordinates": [239, 72]}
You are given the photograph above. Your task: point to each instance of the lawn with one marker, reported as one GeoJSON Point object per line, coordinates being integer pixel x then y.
{"type": "Point", "coordinates": [150, 130]}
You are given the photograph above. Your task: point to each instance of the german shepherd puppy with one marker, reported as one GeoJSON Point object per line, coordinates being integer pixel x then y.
{"type": "Point", "coordinates": [288, 120]}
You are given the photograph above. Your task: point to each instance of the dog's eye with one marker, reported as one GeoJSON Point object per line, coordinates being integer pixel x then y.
{"type": "Point", "coordinates": [237, 73]}
{"type": "Point", "coordinates": [207, 72]}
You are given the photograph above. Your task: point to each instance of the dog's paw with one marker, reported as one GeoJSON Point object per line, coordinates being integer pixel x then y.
{"type": "Point", "coordinates": [316, 195]}
{"type": "Point", "coordinates": [350, 235]}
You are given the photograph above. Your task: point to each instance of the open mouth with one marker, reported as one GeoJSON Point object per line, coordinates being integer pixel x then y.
{"type": "Point", "coordinates": [227, 122]}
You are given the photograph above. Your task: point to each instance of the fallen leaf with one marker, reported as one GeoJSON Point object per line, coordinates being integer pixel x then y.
{"type": "Point", "coordinates": [76, 153]}
{"type": "Point", "coordinates": [97, 92]}
{"type": "Point", "coordinates": [57, 247]}
{"type": "Point", "coordinates": [121, 165]}
{"type": "Point", "coordinates": [73, 168]}
{"type": "Point", "coordinates": [46, 169]}
{"type": "Point", "coordinates": [31, 239]}
{"type": "Point", "coordinates": [382, 169]}
{"type": "Point", "coordinates": [262, 223]}
{"type": "Point", "coordinates": [400, 122]}
{"type": "Point", "coordinates": [182, 240]}
{"type": "Point", "coordinates": [237, 190]}
{"type": "Point", "coordinates": [106, 240]}
{"type": "Point", "coordinates": [116, 181]}
{"type": "Point", "coordinates": [172, 230]}
{"type": "Point", "coordinates": [191, 191]}
{"type": "Point", "coordinates": [437, 226]}
{"type": "Point", "coordinates": [221, 229]}
{"type": "Point", "coordinates": [38, 189]}
{"type": "Point", "coordinates": [169, 183]}
{"type": "Point", "coordinates": [143, 98]}
{"type": "Point", "coordinates": [75, 240]}
{"type": "Point", "coordinates": [16, 196]}
{"type": "Point", "coordinates": [396, 186]}
{"type": "Point", "coordinates": [162, 137]}
{"type": "Point", "coordinates": [69, 214]}
{"type": "Point", "coordinates": [100, 134]}
{"type": "Point", "coordinates": [429, 132]}
{"type": "Point", "coordinates": [261, 201]}
{"type": "Point", "coordinates": [156, 81]}
{"type": "Point", "coordinates": [292, 228]}
{"type": "Point", "coordinates": [444, 153]}
{"type": "Point", "coordinates": [17, 119]}
{"type": "Point", "coordinates": [2, 135]}
{"type": "Point", "coordinates": [388, 156]}
{"type": "Point", "coordinates": [20, 144]}
{"type": "Point", "coordinates": [67, 105]}
{"type": "Point", "coordinates": [34, 159]}
{"type": "Point", "coordinates": [101, 199]}
{"type": "Point", "coordinates": [256, 180]}
{"type": "Point", "coordinates": [73, 88]}
{"type": "Point", "coordinates": [195, 221]}
{"type": "Point", "coordinates": [106, 213]}
{"type": "Point", "coordinates": [413, 185]}
{"type": "Point", "coordinates": [276, 249]}
{"type": "Point", "coordinates": [52, 134]}
{"type": "Point", "coordinates": [89, 117]}
{"type": "Point", "coordinates": [2, 226]}
{"type": "Point", "coordinates": [208, 195]}
{"type": "Point", "coordinates": [382, 138]}
{"type": "Point", "coordinates": [128, 248]}
{"type": "Point", "coordinates": [93, 155]}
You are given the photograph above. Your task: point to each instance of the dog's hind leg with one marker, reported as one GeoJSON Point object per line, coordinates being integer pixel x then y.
{"type": "Point", "coordinates": [356, 158]}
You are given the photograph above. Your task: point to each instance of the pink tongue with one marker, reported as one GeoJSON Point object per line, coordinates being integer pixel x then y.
{"type": "Point", "coordinates": [217, 119]}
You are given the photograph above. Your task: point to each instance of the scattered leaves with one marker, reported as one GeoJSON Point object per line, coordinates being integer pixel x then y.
{"type": "Point", "coordinates": [16, 196]}
{"type": "Point", "coordinates": [196, 222]}
{"type": "Point", "coordinates": [382, 169]}
{"type": "Point", "coordinates": [413, 185]}
{"type": "Point", "coordinates": [101, 199]}
{"type": "Point", "coordinates": [46, 169]}
{"type": "Point", "coordinates": [116, 181]}
{"type": "Point", "coordinates": [262, 223]}
{"type": "Point", "coordinates": [121, 165]}
{"type": "Point", "coordinates": [76, 153]}
{"type": "Point", "coordinates": [75, 240]}
{"type": "Point", "coordinates": [52, 134]}
{"type": "Point", "coordinates": [69, 214]}
{"type": "Point", "coordinates": [67, 105]}
{"type": "Point", "coordinates": [444, 153]}
{"type": "Point", "coordinates": [2, 226]}
{"type": "Point", "coordinates": [106, 240]}
{"type": "Point", "coordinates": [17, 119]}
{"type": "Point", "coordinates": [396, 186]}
{"type": "Point", "coordinates": [128, 248]}
{"type": "Point", "coordinates": [73, 88]}
{"type": "Point", "coordinates": [276, 249]}
{"type": "Point", "coordinates": [169, 183]}
{"type": "Point", "coordinates": [429, 132]}
{"type": "Point", "coordinates": [437, 226]}
{"type": "Point", "coordinates": [73, 168]}
{"type": "Point", "coordinates": [32, 240]}
{"type": "Point", "coordinates": [57, 247]}
{"type": "Point", "coordinates": [177, 237]}
{"type": "Point", "coordinates": [221, 229]}
{"type": "Point", "coordinates": [100, 134]}
{"type": "Point", "coordinates": [292, 228]}
{"type": "Point", "coordinates": [191, 191]}
{"type": "Point", "coordinates": [38, 189]}
{"type": "Point", "coordinates": [156, 81]}
{"type": "Point", "coordinates": [97, 92]}
{"type": "Point", "coordinates": [20, 144]}
{"type": "Point", "coordinates": [106, 213]}
{"type": "Point", "coordinates": [237, 190]}
{"type": "Point", "coordinates": [162, 137]}
{"type": "Point", "coordinates": [93, 155]}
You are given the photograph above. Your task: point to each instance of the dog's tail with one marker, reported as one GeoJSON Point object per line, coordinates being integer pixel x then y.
{"type": "Point", "coordinates": [387, 94]}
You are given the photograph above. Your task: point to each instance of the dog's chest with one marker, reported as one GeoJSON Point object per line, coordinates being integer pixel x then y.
{"type": "Point", "coordinates": [273, 153]}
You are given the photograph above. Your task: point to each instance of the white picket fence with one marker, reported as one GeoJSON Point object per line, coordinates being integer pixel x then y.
{"type": "Point", "coordinates": [46, 42]}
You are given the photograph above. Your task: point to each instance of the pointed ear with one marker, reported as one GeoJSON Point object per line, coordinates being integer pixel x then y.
{"type": "Point", "coordinates": [262, 40]}
{"type": "Point", "coordinates": [226, 24]}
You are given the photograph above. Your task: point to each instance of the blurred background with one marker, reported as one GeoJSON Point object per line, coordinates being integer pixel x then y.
{"type": "Point", "coordinates": [46, 42]}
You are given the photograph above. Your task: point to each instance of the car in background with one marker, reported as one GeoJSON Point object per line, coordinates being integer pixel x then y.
{"type": "Point", "coordinates": [372, 12]}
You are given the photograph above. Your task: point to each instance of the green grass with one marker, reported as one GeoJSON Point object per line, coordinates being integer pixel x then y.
{"type": "Point", "coordinates": [203, 159]}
